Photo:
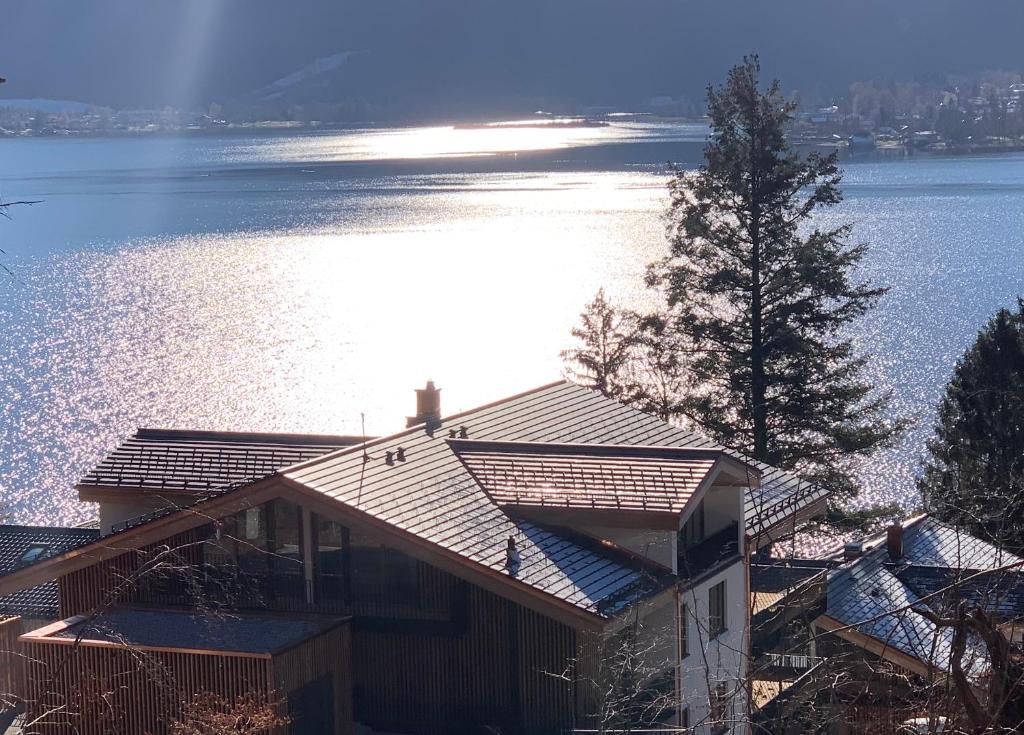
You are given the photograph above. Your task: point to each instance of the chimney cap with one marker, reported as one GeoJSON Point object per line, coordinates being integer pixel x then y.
{"type": "Point", "coordinates": [853, 549]}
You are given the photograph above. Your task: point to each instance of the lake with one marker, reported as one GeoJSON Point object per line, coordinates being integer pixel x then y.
{"type": "Point", "coordinates": [308, 282]}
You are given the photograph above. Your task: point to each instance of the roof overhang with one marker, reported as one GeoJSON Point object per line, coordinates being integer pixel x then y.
{"type": "Point", "coordinates": [261, 491]}
{"type": "Point", "coordinates": [876, 646]}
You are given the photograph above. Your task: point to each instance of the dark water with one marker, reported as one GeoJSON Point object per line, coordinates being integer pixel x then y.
{"type": "Point", "coordinates": [291, 282]}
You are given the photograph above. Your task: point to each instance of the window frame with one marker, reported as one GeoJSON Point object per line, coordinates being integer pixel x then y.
{"type": "Point", "coordinates": [717, 619]}
{"type": "Point", "coordinates": [684, 639]}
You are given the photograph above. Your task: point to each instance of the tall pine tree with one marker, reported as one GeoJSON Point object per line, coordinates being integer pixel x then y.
{"type": "Point", "coordinates": [762, 296]}
{"type": "Point", "coordinates": [974, 472]}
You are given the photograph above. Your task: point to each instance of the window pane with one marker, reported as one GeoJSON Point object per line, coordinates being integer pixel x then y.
{"type": "Point", "coordinates": [716, 609]}
{"type": "Point", "coordinates": [286, 539]}
{"type": "Point", "coordinates": [330, 548]}
{"type": "Point", "coordinates": [252, 540]}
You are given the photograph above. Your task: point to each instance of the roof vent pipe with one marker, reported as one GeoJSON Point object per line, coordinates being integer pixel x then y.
{"type": "Point", "coordinates": [894, 541]}
{"type": "Point", "coordinates": [512, 558]}
{"type": "Point", "coordinates": [853, 550]}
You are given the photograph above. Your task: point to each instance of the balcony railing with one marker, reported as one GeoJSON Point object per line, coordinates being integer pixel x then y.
{"type": "Point", "coordinates": [717, 548]}
{"type": "Point", "coordinates": [798, 661]}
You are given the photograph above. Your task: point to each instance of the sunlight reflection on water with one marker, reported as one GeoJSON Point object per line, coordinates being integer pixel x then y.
{"type": "Point", "coordinates": [274, 303]}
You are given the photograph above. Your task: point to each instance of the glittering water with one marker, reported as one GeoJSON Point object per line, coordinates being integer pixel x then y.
{"type": "Point", "coordinates": [295, 282]}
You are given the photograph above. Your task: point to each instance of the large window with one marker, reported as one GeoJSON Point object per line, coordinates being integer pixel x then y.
{"type": "Point", "coordinates": [356, 568]}
{"type": "Point", "coordinates": [285, 538]}
{"type": "Point", "coordinates": [331, 559]}
{"type": "Point", "coordinates": [380, 574]}
{"type": "Point", "coordinates": [716, 610]}
{"type": "Point", "coordinates": [693, 529]}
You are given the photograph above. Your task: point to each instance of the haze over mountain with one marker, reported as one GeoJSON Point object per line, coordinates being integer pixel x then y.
{"type": "Point", "coordinates": [438, 58]}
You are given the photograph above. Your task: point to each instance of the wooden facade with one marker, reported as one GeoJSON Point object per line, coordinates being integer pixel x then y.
{"type": "Point", "coordinates": [12, 683]}
{"type": "Point", "coordinates": [93, 687]}
{"type": "Point", "coordinates": [453, 656]}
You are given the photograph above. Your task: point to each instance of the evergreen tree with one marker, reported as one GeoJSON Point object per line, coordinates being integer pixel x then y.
{"type": "Point", "coordinates": [974, 472]}
{"type": "Point", "coordinates": [762, 296]}
{"type": "Point", "coordinates": [655, 378]}
{"type": "Point", "coordinates": [607, 335]}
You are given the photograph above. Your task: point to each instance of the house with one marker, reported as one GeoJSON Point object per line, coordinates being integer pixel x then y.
{"type": "Point", "coordinates": [864, 624]}
{"type": "Point", "coordinates": [490, 569]}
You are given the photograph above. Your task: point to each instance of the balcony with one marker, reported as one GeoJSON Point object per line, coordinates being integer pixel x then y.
{"type": "Point", "coordinates": [717, 549]}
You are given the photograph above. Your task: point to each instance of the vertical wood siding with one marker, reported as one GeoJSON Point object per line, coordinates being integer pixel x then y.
{"type": "Point", "coordinates": [12, 669]}
{"type": "Point", "coordinates": [327, 655]}
{"type": "Point", "coordinates": [502, 669]}
{"type": "Point", "coordinates": [457, 657]}
{"type": "Point", "coordinates": [100, 690]}
{"type": "Point", "coordinates": [116, 581]}
{"type": "Point", "coordinates": [91, 690]}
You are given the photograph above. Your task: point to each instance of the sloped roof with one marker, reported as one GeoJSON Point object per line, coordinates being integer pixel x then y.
{"type": "Point", "coordinates": [863, 594]}
{"type": "Point", "coordinates": [433, 496]}
{"type": "Point", "coordinates": [588, 476]}
{"type": "Point", "coordinates": [427, 493]}
{"type": "Point", "coordinates": [24, 545]}
{"type": "Point", "coordinates": [164, 460]}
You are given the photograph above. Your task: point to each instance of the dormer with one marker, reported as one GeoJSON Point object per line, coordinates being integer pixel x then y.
{"type": "Point", "coordinates": [655, 502]}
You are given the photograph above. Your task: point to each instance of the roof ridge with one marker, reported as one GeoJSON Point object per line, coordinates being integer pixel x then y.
{"type": "Point", "coordinates": [203, 435]}
{"type": "Point", "coordinates": [416, 428]}
{"type": "Point", "coordinates": [48, 529]}
{"type": "Point", "coordinates": [581, 447]}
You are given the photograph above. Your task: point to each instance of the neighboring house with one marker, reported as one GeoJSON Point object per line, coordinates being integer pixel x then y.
{"type": "Point", "coordinates": [22, 546]}
{"type": "Point", "coordinates": [485, 567]}
{"type": "Point", "coordinates": [871, 654]}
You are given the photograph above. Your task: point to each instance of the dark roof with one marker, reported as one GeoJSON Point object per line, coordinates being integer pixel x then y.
{"type": "Point", "coordinates": [1000, 593]}
{"type": "Point", "coordinates": [433, 496]}
{"type": "Point", "coordinates": [194, 631]}
{"type": "Point", "coordinates": [586, 475]}
{"type": "Point", "coordinates": [201, 461]}
{"type": "Point", "coordinates": [865, 593]}
{"type": "Point", "coordinates": [24, 545]}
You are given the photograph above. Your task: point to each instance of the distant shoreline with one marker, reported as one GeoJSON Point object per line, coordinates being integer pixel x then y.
{"type": "Point", "coordinates": [879, 153]}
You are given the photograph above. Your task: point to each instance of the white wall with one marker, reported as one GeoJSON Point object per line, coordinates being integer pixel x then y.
{"type": "Point", "coordinates": [658, 546]}
{"type": "Point", "coordinates": [721, 659]}
{"type": "Point", "coordinates": [722, 506]}
{"type": "Point", "coordinates": [113, 513]}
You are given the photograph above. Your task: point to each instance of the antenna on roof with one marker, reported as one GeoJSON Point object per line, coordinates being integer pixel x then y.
{"type": "Point", "coordinates": [366, 455]}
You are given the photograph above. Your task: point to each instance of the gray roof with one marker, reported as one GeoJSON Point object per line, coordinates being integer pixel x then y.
{"type": "Point", "coordinates": [200, 461]}
{"type": "Point", "coordinates": [24, 545]}
{"type": "Point", "coordinates": [864, 593]}
{"type": "Point", "coordinates": [432, 494]}
{"type": "Point", "coordinates": [197, 631]}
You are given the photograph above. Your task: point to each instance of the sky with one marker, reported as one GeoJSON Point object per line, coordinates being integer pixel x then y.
{"type": "Point", "coordinates": [431, 53]}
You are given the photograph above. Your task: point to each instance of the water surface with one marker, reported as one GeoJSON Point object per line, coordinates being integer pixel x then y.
{"type": "Point", "coordinates": [285, 282]}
